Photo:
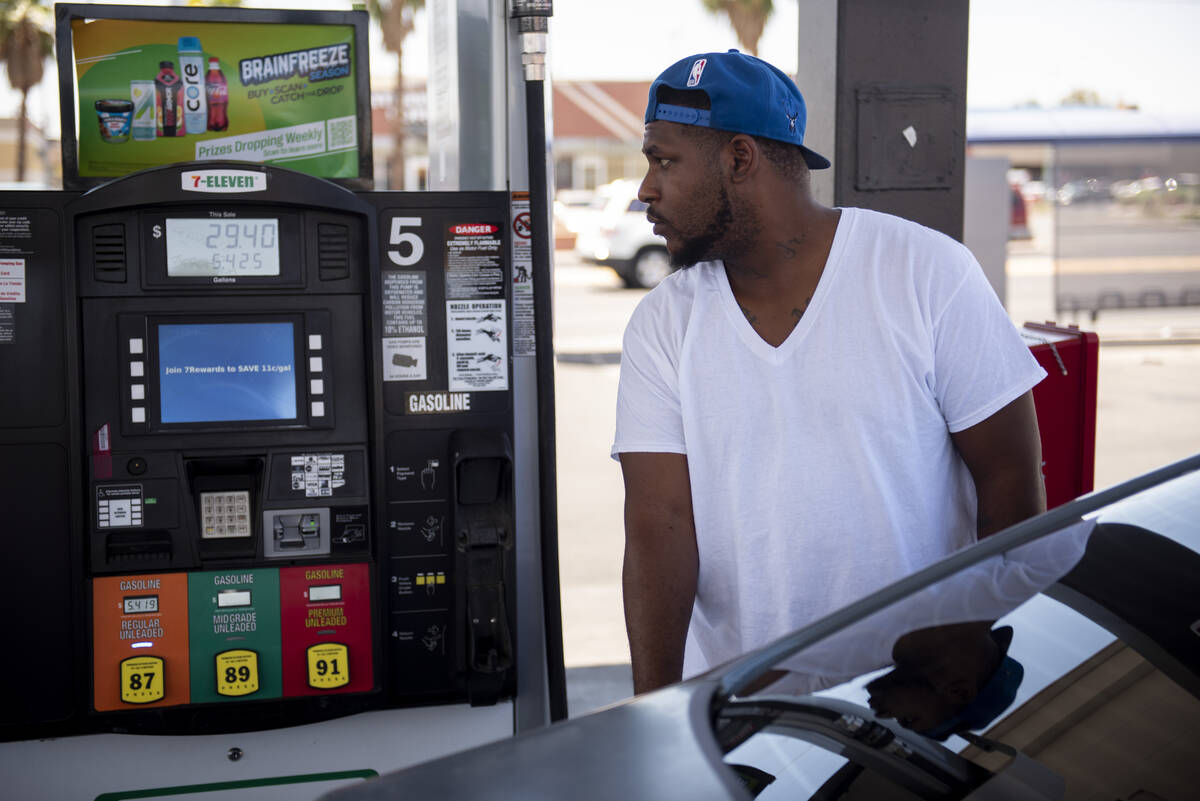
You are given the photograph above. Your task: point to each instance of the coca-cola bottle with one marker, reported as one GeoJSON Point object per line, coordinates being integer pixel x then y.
{"type": "Point", "coordinates": [167, 85]}
{"type": "Point", "coordinates": [217, 92]}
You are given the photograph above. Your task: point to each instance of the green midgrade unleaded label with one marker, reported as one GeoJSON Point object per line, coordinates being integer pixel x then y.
{"type": "Point", "coordinates": [234, 635]}
{"type": "Point", "coordinates": [266, 93]}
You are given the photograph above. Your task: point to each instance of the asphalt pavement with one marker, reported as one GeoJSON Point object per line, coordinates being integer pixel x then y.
{"type": "Point", "coordinates": [1148, 415]}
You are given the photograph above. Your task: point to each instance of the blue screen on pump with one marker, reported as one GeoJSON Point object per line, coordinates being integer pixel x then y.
{"type": "Point", "coordinates": [214, 372]}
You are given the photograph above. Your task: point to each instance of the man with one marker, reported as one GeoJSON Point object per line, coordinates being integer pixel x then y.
{"type": "Point", "coordinates": [828, 400]}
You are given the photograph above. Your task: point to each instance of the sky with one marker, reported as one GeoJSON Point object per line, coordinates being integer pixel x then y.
{"type": "Point", "coordinates": [1136, 51]}
{"type": "Point", "coordinates": [1131, 51]}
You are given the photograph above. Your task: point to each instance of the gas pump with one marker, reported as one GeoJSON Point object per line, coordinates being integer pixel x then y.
{"type": "Point", "coordinates": [261, 436]}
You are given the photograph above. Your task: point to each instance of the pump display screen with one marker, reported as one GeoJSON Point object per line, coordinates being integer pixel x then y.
{"type": "Point", "coordinates": [206, 247]}
{"type": "Point", "coordinates": [216, 372]}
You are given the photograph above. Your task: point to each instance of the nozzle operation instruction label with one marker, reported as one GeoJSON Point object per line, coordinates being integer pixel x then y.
{"type": "Point", "coordinates": [476, 311]}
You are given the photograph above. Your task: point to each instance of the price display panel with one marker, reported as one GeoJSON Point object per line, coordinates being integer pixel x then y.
{"type": "Point", "coordinates": [242, 247]}
{"type": "Point", "coordinates": [140, 604]}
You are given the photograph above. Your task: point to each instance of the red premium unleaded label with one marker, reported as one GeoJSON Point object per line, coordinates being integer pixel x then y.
{"type": "Point", "coordinates": [325, 616]}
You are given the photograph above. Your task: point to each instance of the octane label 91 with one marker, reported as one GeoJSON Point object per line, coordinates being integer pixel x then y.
{"type": "Point", "coordinates": [328, 665]}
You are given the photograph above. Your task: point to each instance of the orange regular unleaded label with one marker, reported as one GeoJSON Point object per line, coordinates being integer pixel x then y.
{"type": "Point", "coordinates": [140, 641]}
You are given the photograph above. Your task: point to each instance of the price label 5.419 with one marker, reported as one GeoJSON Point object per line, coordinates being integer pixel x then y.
{"type": "Point", "coordinates": [328, 666]}
{"type": "Point", "coordinates": [142, 679]}
{"type": "Point", "coordinates": [237, 672]}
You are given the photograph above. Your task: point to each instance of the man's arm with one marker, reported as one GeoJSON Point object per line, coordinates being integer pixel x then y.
{"type": "Point", "coordinates": [1004, 455]}
{"type": "Point", "coordinates": [661, 563]}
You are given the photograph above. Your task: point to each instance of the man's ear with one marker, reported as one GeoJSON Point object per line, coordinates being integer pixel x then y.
{"type": "Point", "coordinates": [745, 157]}
{"type": "Point", "coordinates": [960, 691]}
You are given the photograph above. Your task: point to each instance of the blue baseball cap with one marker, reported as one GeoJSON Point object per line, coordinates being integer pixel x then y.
{"type": "Point", "coordinates": [746, 95]}
{"type": "Point", "coordinates": [996, 695]}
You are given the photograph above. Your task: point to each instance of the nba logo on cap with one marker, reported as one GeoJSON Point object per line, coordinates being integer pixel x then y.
{"type": "Point", "coordinates": [697, 71]}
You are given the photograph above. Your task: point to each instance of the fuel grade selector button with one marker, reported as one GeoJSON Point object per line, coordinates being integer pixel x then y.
{"type": "Point", "coordinates": [237, 672]}
{"type": "Point", "coordinates": [142, 679]}
{"type": "Point", "coordinates": [328, 666]}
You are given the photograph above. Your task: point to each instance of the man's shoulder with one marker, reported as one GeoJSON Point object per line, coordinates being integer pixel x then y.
{"type": "Point", "coordinates": [687, 281]}
{"type": "Point", "coordinates": [903, 249]}
{"type": "Point", "coordinates": [680, 288]}
{"type": "Point", "coordinates": [869, 222]}
{"type": "Point", "coordinates": [666, 310]}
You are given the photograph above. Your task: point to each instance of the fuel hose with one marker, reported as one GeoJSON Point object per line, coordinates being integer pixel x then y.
{"type": "Point", "coordinates": [533, 25]}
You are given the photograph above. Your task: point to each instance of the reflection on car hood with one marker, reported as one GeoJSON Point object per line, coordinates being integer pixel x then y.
{"type": "Point", "coordinates": [983, 592]}
{"type": "Point", "coordinates": [624, 750]}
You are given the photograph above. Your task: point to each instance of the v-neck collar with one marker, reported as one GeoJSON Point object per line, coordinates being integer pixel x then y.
{"type": "Point", "coordinates": [745, 330]}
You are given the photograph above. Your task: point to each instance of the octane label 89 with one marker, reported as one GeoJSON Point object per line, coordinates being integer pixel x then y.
{"type": "Point", "coordinates": [237, 672]}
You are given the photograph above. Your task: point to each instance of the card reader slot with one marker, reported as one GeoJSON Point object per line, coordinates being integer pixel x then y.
{"type": "Point", "coordinates": [296, 531]}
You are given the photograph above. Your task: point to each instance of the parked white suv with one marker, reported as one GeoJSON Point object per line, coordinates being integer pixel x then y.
{"type": "Point", "coordinates": [619, 236]}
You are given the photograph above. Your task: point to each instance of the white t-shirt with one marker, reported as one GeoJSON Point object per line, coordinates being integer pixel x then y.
{"type": "Point", "coordinates": [821, 469]}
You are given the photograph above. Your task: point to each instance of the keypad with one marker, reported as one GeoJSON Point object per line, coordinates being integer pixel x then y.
{"type": "Point", "coordinates": [225, 514]}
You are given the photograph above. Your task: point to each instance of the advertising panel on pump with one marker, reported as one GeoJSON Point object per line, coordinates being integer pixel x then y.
{"type": "Point", "coordinates": [151, 92]}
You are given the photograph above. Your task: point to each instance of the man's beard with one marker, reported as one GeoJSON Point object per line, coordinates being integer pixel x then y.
{"type": "Point", "coordinates": [706, 246]}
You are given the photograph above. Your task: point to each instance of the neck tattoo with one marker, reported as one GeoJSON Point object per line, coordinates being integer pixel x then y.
{"type": "Point", "coordinates": [799, 312]}
{"type": "Point", "coordinates": [791, 247]}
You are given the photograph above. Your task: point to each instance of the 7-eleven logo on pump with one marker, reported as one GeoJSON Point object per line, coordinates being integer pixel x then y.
{"type": "Point", "coordinates": [697, 71]}
{"type": "Point", "coordinates": [223, 181]}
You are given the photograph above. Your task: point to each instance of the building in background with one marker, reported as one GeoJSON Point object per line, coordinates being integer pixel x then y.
{"type": "Point", "coordinates": [383, 135]}
{"type": "Point", "coordinates": [598, 132]}
{"type": "Point", "coordinates": [43, 162]}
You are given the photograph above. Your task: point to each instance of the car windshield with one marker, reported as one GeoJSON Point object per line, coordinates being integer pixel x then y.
{"type": "Point", "coordinates": [1061, 660]}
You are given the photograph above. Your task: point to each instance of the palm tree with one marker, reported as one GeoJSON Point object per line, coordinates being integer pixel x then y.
{"type": "Point", "coordinates": [396, 18]}
{"type": "Point", "coordinates": [25, 44]}
{"type": "Point", "coordinates": [748, 18]}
